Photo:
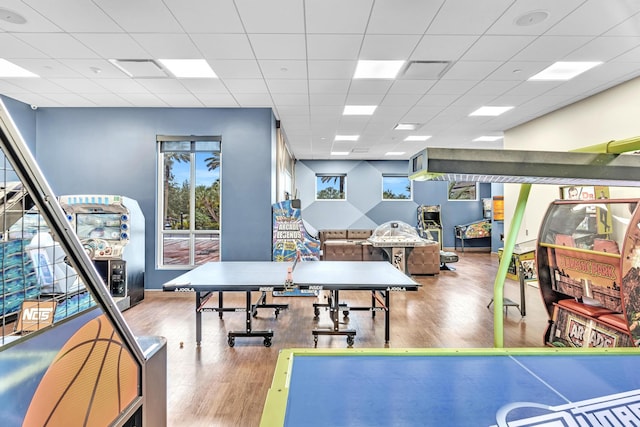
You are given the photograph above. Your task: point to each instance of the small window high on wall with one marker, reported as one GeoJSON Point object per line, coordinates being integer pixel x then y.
{"type": "Point", "coordinates": [188, 201]}
{"type": "Point", "coordinates": [331, 186]}
{"type": "Point", "coordinates": [396, 187]}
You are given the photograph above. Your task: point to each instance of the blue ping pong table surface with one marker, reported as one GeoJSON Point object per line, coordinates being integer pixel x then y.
{"type": "Point", "coordinates": [465, 387]}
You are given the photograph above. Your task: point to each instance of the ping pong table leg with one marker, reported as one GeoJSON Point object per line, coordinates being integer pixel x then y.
{"type": "Point", "coordinates": [386, 316]}
{"type": "Point", "coordinates": [198, 319]}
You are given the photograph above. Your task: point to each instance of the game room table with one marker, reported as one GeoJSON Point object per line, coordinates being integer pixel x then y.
{"type": "Point", "coordinates": [455, 388]}
{"type": "Point", "coordinates": [378, 277]}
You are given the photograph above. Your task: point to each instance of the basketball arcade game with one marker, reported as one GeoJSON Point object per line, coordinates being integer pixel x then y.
{"type": "Point", "coordinates": [111, 230]}
{"type": "Point", "coordinates": [86, 369]}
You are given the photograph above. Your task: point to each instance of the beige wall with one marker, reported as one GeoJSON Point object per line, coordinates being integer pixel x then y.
{"type": "Point", "coordinates": [610, 115]}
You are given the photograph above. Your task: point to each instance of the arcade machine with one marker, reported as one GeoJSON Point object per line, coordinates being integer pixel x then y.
{"type": "Point", "coordinates": [429, 223]}
{"type": "Point", "coordinates": [291, 240]}
{"type": "Point", "coordinates": [111, 230]}
{"type": "Point", "coordinates": [290, 237]}
{"type": "Point", "coordinates": [86, 368]}
{"type": "Point", "coordinates": [588, 258]}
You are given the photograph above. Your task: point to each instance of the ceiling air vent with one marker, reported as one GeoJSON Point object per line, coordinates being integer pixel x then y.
{"type": "Point", "coordinates": [140, 68]}
{"type": "Point", "coordinates": [425, 70]}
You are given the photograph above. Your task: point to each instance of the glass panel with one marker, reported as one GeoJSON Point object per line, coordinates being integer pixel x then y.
{"type": "Point", "coordinates": [583, 225]}
{"type": "Point", "coordinates": [396, 188]}
{"type": "Point", "coordinates": [175, 248]}
{"type": "Point", "coordinates": [207, 191]}
{"type": "Point", "coordinates": [176, 184]}
{"type": "Point", "coordinates": [207, 248]}
{"type": "Point", "coordinates": [331, 187]}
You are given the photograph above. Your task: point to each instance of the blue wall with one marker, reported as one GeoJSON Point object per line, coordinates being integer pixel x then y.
{"type": "Point", "coordinates": [364, 207]}
{"type": "Point", "coordinates": [113, 151]}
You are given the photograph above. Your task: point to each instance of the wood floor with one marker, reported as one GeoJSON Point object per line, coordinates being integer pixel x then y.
{"type": "Point", "coordinates": [216, 385]}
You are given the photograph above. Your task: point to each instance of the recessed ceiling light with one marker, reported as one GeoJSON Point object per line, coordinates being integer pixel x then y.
{"type": "Point", "coordinates": [359, 110]}
{"type": "Point", "coordinates": [487, 138]}
{"type": "Point", "coordinates": [407, 126]}
{"type": "Point", "coordinates": [189, 68]}
{"type": "Point", "coordinates": [377, 69]}
{"type": "Point", "coordinates": [339, 153]}
{"type": "Point", "coordinates": [417, 137]}
{"type": "Point", "coordinates": [9, 69]}
{"type": "Point", "coordinates": [564, 70]}
{"type": "Point", "coordinates": [394, 153]}
{"type": "Point", "coordinates": [490, 111]}
{"type": "Point", "coordinates": [346, 137]}
{"type": "Point", "coordinates": [532, 18]}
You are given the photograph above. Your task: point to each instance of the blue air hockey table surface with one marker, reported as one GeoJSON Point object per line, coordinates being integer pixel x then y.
{"type": "Point", "coordinates": [465, 387]}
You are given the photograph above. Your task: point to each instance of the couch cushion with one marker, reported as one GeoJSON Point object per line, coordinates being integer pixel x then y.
{"type": "Point", "coordinates": [333, 234]}
{"type": "Point", "coordinates": [359, 234]}
{"type": "Point", "coordinates": [337, 250]}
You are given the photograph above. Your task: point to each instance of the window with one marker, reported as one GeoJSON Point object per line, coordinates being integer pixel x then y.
{"type": "Point", "coordinates": [396, 187]}
{"type": "Point", "coordinates": [188, 200]}
{"type": "Point", "coordinates": [331, 186]}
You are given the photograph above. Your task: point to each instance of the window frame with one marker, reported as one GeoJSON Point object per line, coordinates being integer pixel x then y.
{"type": "Point", "coordinates": [160, 220]}
{"type": "Point", "coordinates": [341, 176]}
{"type": "Point", "coordinates": [396, 175]}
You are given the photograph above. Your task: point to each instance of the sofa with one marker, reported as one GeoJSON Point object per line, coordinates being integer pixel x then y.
{"type": "Point", "coordinates": [352, 245]}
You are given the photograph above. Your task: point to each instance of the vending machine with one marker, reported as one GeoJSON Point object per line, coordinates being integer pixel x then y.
{"type": "Point", "coordinates": [111, 230]}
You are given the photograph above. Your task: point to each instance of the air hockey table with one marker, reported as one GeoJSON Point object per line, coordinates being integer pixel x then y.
{"type": "Point", "coordinates": [455, 387]}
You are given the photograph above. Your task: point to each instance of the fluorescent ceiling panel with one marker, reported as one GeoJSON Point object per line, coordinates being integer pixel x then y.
{"type": "Point", "coordinates": [377, 69]}
{"type": "Point", "coordinates": [394, 153]}
{"type": "Point", "coordinates": [490, 111]}
{"type": "Point", "coordinates": [339, 153]}
{"type": "Point", "coordinates": [9, 69]}
{"type": "Point", "coordinates": [417, 137]}
{"type": "Point", "coordinates": [346, 137]}
{"type": "Point", "coordinates": [563, 71]}
{"type": "Point", "coordinates": [406, 126]}
{"type": "Point", "coordinates": [487, 138]}
{"type": "Point", "coordinates": [189, 68]}
{"type": "Point", "coordinates": [359, 110]}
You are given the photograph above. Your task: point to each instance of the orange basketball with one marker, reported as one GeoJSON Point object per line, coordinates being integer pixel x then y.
{"type": "Point", "coordinates": [89, 383]}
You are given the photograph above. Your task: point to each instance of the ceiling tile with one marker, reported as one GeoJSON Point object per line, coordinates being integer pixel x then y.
{"type": "Point", "coordinates": [279, 46]}
{"type": "Point", "coordinates": [223, 46]}
{"type": "Point", "coordinates": [557, 10]}
{"type": "Point", "coordinates": [113, 45]}
{"type": "Point", "coordinates": [329, 85]}
{"type": "Point", "coordinates": [290, 99]}
{"type": "Point", "coordinates": [390, 47]}
{"type": "Point", "coordinates": [199, 16]}
{"type": "Point", "coordinates": [47, 68]}
{"type": "Point", "coordinates": [57, 45]}
{"type": "Point", "coordinates": [319, 70]}
{"type": "Point", "coordinates": [283, 69]}
{"type": "Point", "coordinates": [337, 16]}
{"type": "Point", "coordinates": [12, 47]}
{"type": "Point", "coordinates": [168, 46]}
{"type": "Point", "coordinates": [465, 17]}
{"type": "Point", "coordinates": [93, 19]}
{"type": "Point", "coordinates": [179, 100]}
{"type": "Point", "coordinates": [603, 49]}
{"type": "Point", "coordinates": [333, 46]}
{"type": "Point", "coordinates": [140, 16]}
{"type": "Point", "coordinates": [122, 86]}
{"type": "Point", "coordinates": [551, 48]}
{"type": "Point", "coordinates": [376, 86]}
{"type": "Point", "coordinates": [411, 86]}
{"type": "Point", "coordinates": [246, 85]}
{"type": "Point", "coordinates": [253, 99]}
{"type": "Point", "coordinates": [467, 70]}
{"type": "Point", "coordinates": [442, 48]}
{"type": "Point", "coordinates": [494, 48]}
{"type": "Point", "coordinates": [235, 69]}
{"type": "Point", "coordinates": [217, 100]}
{"type": "Point", "coordinates": [36, 22]}
{"type": "Point", "coordinates": [274, 16]}
{"type": "Point", "coordinates": [287, 86]}
{"type": "Point", "coordinates": [327, 99]}
{"type": "Point", "coordinates": [402, 16]}
{"type": "Point", "coordinates": [197, 86]}
{"type": "Point", "coordinates": [592, 19]}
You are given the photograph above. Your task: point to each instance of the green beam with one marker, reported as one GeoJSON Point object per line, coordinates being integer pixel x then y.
{"type": "Point", "coordinates": [507, 253]}
{"type": "Point", "coordinates": [613, 147]}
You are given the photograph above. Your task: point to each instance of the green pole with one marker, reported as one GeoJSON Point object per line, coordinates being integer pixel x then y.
{"type": "Point", "coordinates": [507, 253]}
{"type": "Point", "coordinates": [612, 147]}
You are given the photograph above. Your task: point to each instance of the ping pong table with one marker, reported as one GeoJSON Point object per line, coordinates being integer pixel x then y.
{"type": "Point", "coordinates": [455, 387]}
{"type": "Point", "coordinates": [378, 277]}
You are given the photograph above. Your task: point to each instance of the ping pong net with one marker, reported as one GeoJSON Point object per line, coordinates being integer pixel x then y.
{"type": "Point", "coordinates": [288, 283]}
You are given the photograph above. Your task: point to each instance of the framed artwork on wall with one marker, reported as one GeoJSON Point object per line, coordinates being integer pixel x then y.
{"type": "Point", "coordinates": [462, 191]}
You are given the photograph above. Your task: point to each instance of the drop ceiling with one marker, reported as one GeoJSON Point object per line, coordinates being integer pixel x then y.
{"type": "Point", "coordinates": [298, 57]}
